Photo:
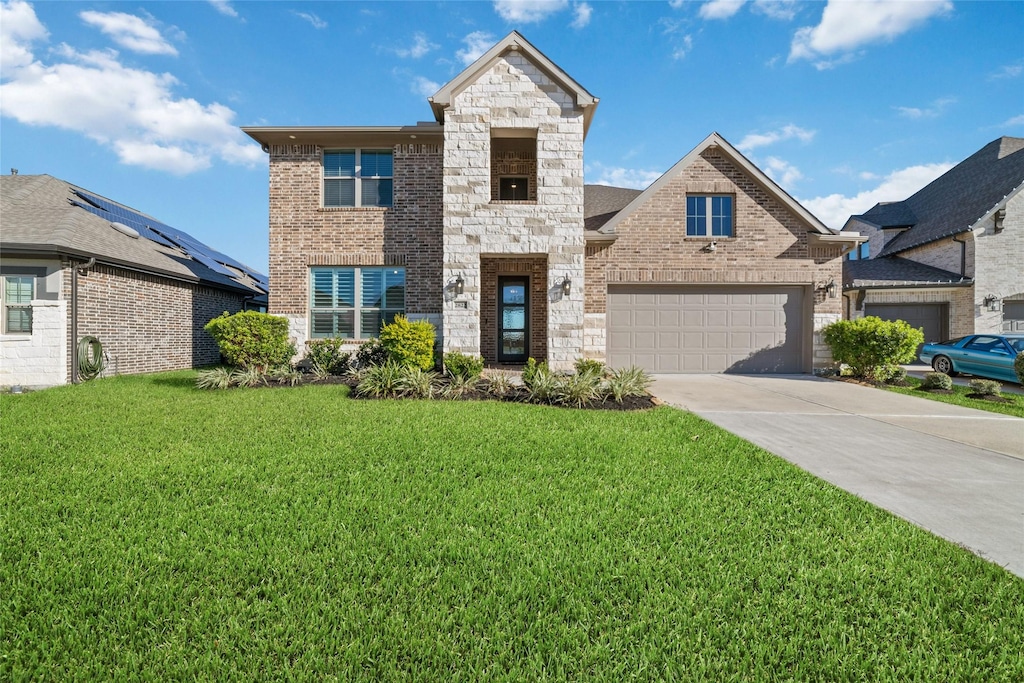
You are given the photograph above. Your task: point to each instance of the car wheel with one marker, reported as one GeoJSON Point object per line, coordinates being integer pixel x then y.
{"type": "Point", "coordinates": [944, 365]}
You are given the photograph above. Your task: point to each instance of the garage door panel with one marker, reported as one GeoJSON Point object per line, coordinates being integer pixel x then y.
{"type": "Point", "coordinates": [931, 318]}
{"type": "Point", "coordinates": [717, 328]}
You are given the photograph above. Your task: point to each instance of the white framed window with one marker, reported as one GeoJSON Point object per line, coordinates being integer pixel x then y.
{"type": "Point", "coordinates": [709, 216]}
{"type": "Point", "coordinates": [353, 303]}
{"type": "Point", "coordinates": [18, 292]}
{"type": "Point", "coordinates": [358, 177]}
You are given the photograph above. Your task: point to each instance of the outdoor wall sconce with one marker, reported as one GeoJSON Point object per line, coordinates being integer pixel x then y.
{"type": "Point", "coordinates": [566, 286]}
{"type": "Point", "coordinates": [711, 247]}
{"type": "Point", "coordinates": [830, 288]}
{"type": "Point", "coordinates": [997, 220]}
{"type": "Point", "coordinates": [458, 285]}
{"type": "Point", "coordinates": [991, 302]}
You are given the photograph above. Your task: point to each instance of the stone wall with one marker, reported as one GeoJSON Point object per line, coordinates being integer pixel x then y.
{"type": "Point", "coordinates": [513, 94]}
{"type": "Point", "coordinates": [770, 246]}
{"type": "Point", "coordinates": [999, 269]}
{"type": "Point", "coordinates": [304, 234]}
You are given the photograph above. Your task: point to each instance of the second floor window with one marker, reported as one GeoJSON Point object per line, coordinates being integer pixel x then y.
{"type": "Point", "coordinates": [861, 252]}
{"type": "Point", "coordinates": [358, 177]}
{"type": "Point", "coordinates": [709, 216]}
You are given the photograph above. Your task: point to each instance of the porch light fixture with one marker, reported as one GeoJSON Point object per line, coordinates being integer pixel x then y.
{"type": "Point", "coordinates": [566, 286]}
{"type": "Point", "coordinates": [458, 285]}
{"type": "Point", "coordinates": [830, 288]}
{"type": "Point", "coordinates": [991, 302]}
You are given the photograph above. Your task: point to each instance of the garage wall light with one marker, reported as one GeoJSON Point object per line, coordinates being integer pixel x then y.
{"type": "Point", "coordinates": [830, 288]}
{"type": "Point", "coordinates": [991, 302]}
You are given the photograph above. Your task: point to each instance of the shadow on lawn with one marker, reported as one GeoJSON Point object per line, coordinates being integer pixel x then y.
{"type": "Point", "coordinates": [176, 382]}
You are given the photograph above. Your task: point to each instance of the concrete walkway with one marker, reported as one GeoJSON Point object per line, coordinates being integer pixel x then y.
{"type": "Point", "coordinates": [957, 472]}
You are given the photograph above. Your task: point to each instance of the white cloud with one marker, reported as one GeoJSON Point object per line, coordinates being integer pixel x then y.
{"type": "Point", "coordinates": [1015, 121]}
{"type": "Point", "coordinates": [846, 26]}
{"type": "Point", "coordinates": [130, 32]}
{"type": "Point", "coordinates": [582, 11]}
{"type": "Point", "coordinates": [834, 209]}
{"type": "Point", "coordinates": [683, 48]}
{"type": "Point", "coordinates": [313, 19]}
{"type": "Point", "coordinates": [224, 7]}
{"type": "Point", "coordinates": [616, 176]}
{"type": "Point", "coordinates": [755, 140]}
{"type": "Point", "coordinates": [420, 47]}
{"type": "Point", "coordinates": [782, 172]}
{"type": "Point", "coordinates": [783, 10]}
{"type": "Point", "coordinates": [19, 28]}
{"type": "Point", "coordinates": [528, 11]}
{"type": "Point", "coordinates": [719, 9]}
{"type": "Point", "coordinates": [935, 109]}
{"type": "Point", "coordinates": [477, 43]}
{"type": "Point", "coordinates": [1007, 71]}
{"type": "Point", "coordinates": [424, 86]}
{"type": "Point", "coordinates": [132, 111]}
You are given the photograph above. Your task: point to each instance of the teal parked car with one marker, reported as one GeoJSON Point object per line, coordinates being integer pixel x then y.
{"type": "Point", "coordinates": [983, 355]}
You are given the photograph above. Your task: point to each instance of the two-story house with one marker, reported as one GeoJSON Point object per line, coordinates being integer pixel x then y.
{"type": "Point", "coordinates": [950, 258]}
{"type": "Point", "coordinates": [479, 221]}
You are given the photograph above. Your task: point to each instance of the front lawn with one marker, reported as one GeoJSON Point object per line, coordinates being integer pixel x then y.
{"type": "Point", "coordinates": [1013, 404]}
{"type": "Point", "coordinates": [151, 530]}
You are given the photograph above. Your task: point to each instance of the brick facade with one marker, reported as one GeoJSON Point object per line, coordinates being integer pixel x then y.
{"type": "Point", "coordinates": [536, 269]}
{"type": "Point", "coordinates": [147, 323]}
{"type": "Point", "coordinates": [304, 234]}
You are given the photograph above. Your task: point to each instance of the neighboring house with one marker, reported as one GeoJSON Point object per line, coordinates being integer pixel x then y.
{"type": "Point", "coordinates": [480, 222]}
{"type": "Point", "coordinates": [950, 258]}
{"type": "Point", "coordinates": [75, 264]}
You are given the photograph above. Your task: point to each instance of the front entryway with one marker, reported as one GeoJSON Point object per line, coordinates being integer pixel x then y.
{"type": "Point", "coordinates": [513, 319]}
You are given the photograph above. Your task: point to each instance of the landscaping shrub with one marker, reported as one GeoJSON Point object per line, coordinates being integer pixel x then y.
{"type": "Point", "coordinates": [248, 377]}
{"type": "Point", "coordinates": [937, 380]}
{"type": "Point", "coordinates": [381, 381]}
{"type": "Point", "coordinates": [891, 374]}
{"type": "Point", "coordinates": [986, 387]}
{"type": "Point", "coordinates": [460, 385]}
{"type": "Point", "coordinates": [286, 374]}
{"type": "Point", "coordinates": [214, 378]}
{"type": "Point", "coordinates": [631, 381]}
{"type": "Point", "coordinates": [531, 369]}
{"type": "Point", "coordinates": [416, 382]}
{"type": "Point", "coordinates": [370, 354]}
{"type": "Point", "coordinates": [868, 344]}
{"type": "Point", "coordinates": [462, 365]}
{"type": "Point", "coordinates": [589, 365]}
{"type": "Point", "coordinates": [543, 385]}
{"type": "Point", "coordinates": [252, 340]}
{"type": "Point", "coordinates": [326, 357]}
{"type": "Point", "coordinates": [409, 343]}
{"type": "Point", "coordinates": [500, 384]}
{"type": "Point", "coordinates": [1018, 367]}
{"type": "Point", "coordinates": [577, 390]}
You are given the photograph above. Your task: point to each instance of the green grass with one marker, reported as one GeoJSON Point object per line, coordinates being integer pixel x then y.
{"type": "Point", "coordinates": [1015, 406]}
{"type": "Point", "coordinates": [150, 530]}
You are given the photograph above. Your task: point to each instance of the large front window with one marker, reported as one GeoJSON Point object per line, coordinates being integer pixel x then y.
{"type": "Point", "coordinates": [17, 311]}
{"type": "Point", "coordinates": [353, 303]}
{"type": "Point", "coordinates": [358, 177]}
{"type": "Point", "coordinates": [709, 216]}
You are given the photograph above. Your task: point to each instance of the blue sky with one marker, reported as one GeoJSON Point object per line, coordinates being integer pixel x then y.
{"type": "Point", "coordinates": [843, 103]}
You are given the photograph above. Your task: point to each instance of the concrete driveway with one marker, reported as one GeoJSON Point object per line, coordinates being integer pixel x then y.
{"type": "Point", "coordinates": [957, 472]}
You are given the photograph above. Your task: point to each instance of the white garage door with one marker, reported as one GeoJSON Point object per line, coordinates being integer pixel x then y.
{"type": "Point", "coordinates": [682, 329]}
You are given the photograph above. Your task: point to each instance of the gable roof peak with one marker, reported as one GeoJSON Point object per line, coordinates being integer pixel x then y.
{"type": "Point", "coordinates": [513, 42]}
{"type": "Point", "coordinates": [1008, 146]}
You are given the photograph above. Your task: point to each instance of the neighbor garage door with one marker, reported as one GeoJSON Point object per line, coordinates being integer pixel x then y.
{"type": "Point", "coordinates": [932, 318]}
{"type": "Point", "coordinates": [676, 329]}
{"type": "Point", "coordinates": [1013, 316]}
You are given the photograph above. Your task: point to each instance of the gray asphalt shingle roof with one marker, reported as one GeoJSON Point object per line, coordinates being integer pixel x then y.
{"type": "Point", "coordinates": [893, 271]}
{"type": "Point", "coordinates": [37, 216]}
{"type": "Point", "coordinates": [601, 202]}
{"type": "Point", "coordinates": [954, 202]}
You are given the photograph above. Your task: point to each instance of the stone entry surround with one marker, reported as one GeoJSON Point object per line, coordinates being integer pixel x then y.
{"type": "Point", "coordinates": [536, 269]}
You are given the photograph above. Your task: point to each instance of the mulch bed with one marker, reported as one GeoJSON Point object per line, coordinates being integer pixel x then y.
{"type": "Point", "coordinates": [516, 395]}
{"type": "Point", "coordinates": [991, 398]}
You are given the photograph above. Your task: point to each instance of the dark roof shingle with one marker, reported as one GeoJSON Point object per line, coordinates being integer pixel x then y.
{"type": "Point", "coordinates": [893, 271]}
{"type": "Point", "coordinates": [601, 202]}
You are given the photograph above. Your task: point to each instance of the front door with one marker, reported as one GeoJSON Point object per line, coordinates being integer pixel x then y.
{"type": "Point", "coordinates": [513, 317]}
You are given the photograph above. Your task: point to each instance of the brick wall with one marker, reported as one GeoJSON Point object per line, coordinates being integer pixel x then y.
{"type": "Point", "coordinates": [999, 264]}
{"type": "Point", "coordinates": [304, 234]}
{"type": "Point", "coordinates": [770, 245]}
{"type": "Point", "coordinates": [536, 269]}
{"type": "Point", "coordinates": [147, 323]}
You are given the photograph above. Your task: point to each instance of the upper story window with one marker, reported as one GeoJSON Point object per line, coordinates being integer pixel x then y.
{"type": "Point", "coordinates": [709, 216]}
{"type": "Point", "coordinates": [514, 189]}
{"type": "Point", "coordinates": [862, 252]}
{"type": "Point", "coordinates": [353, 303]}
{"type": "Point", "coordinates": [18, 292]}
{"type": "Point", "coordinates": [358, 177]}
{"type": "Point", "coordinates": [514, 164]}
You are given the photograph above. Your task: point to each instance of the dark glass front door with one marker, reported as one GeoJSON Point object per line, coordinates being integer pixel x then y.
{"type": "Point", "coordinates": [513, 319]}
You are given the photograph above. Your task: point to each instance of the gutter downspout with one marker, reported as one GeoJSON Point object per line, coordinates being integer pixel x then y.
{"type": "Point", "coordinates": [74, 315]}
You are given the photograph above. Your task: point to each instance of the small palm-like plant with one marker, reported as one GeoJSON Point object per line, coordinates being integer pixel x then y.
{"type": "Point", "coordinates": [416, 382]}
{"type": "Point", "coordinates": [543, 385]}
{"type": "Point", "coordinates": [500, 384]}
{"type": "Point", "coordinates": [380, 381]}
{"type": "Point", "coordinates": [286, 374]}
{"type": "Point", "coordinates": [579, 389]}
{"type": "Point", "coordinates": [460, 385]}
{"type": "Point", "coordinates": [248, 377]}
{"type": "Point", "coordinates": [214, 378]}
{"type": "Point", "coordinates": [625, 382]}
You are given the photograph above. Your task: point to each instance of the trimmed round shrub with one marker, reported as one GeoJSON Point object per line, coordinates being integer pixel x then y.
{"type": "Point", "coordinates": [325, 356]}
{"type": "Point", "coordinates": [986, 387]}
{"type": "Point", "coordinates": [408, 342]}
{"type": "Point", "coordinates": [252, 340]}
{"type": "Point", "coordinates": [1018, 367]}
{"type": "Point", "coordinates": [868, 344]}
{"type": "Point", "coordinates": [371, 354]}
{"type": "Point", "coordinates": [460, 365]}
{"type": "Point", "coordinates": [937, 380]}
{"type": "Point", "coordinates": [585, 365]}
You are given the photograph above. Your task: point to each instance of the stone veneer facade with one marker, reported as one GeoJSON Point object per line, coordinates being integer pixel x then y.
{"type": "Point", "coordinates": [770, 246]}
{"type": "Point", "coordinates": [513, 94]}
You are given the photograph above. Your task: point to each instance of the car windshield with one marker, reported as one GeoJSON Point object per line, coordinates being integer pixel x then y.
{"type": "Point", "coordinates": [1017, 343]}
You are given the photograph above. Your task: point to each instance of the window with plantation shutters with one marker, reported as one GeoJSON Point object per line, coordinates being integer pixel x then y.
{"type": "Point", "coordinates": [353, 303]}
{"type": "Point", "coordinates": [358, 177]}
{"type": "Point", "coordinates": [18, 291]}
